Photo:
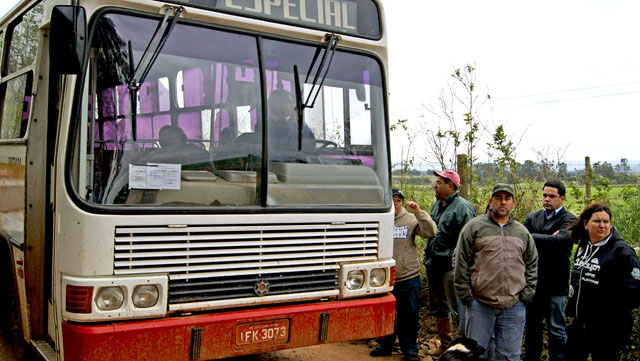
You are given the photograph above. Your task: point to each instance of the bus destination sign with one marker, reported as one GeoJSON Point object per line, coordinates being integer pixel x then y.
{"type": "Point", "coordinates": [355, 17]}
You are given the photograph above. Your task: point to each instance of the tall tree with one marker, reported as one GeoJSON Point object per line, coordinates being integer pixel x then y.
{"type": "Point", "coordinates": [604, 169]}
{"type": "Point", "coordinates": [457, 126]}
{"type": "Point", "coordinates": [406, 157]}
{"type": "Point", "coordinates": [623, 167]}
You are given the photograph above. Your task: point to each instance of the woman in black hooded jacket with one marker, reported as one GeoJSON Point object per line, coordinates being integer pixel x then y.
{"type": "Point", "coordinates": [605, 288]}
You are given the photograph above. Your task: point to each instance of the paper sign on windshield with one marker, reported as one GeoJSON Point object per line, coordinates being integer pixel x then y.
{"type": "Point", "coordinates": [154, 176]}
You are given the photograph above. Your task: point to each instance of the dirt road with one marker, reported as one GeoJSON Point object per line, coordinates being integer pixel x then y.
{"type": "Point", "coordinates": [357, 351]}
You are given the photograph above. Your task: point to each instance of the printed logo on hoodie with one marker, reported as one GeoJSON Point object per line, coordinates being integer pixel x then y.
{"type": "Point", "coordinates": [400, 232]}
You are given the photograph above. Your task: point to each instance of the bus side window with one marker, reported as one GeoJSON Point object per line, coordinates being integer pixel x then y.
{"type": "Point", "coordinates": [15, 106]}
{"type": "Point", "coordinates": [15, 94]}
{"type": "Point", "coordinates": [23, 40]}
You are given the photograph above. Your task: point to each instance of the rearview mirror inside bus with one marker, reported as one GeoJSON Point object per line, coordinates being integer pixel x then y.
{"type": "Point", "coordinates": [361, 93]}
{"type": "Point", "coordinates": [67, 40]}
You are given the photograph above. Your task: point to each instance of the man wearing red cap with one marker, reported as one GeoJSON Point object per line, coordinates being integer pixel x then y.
{"type": "Point", "coordinates": [450, 212]}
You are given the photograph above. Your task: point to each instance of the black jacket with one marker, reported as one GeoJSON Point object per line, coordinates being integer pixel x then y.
{"type": "Point", "coordinates": [605, 283]}
{"type": "Point", "coordinates": [554, 252]}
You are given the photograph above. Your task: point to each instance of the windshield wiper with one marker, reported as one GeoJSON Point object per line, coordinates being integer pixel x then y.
{"type": "Point", "coordinates": [149, 57]}
{"type": "Point", "coordinates": [332, 45]}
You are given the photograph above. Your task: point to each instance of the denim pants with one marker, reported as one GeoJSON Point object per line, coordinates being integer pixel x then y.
{"type": "Point", "coordinates": [462, 316]}
{"type": "Point", "coordinates": [507, 325]}
{"type": "Point", "coordinates": [551, 309]}
{"type": "Point", "coordinates": [407, 294]}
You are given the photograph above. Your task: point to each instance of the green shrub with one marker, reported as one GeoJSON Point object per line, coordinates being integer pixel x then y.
{"type": "Point", "coordinates": [626, 215]}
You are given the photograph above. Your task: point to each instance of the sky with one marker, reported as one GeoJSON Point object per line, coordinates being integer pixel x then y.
{"type": "Point", "coordinates": [6, 5]}
{"type": "Point", "coordinates": [563, 76]}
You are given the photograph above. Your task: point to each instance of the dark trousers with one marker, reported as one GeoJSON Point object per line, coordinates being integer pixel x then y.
{"type": "Point", "coordinates": [442, 297]}
{"type": "Point", "coordinates": [407, 294]}
{"type": "Point", "coordinates": [602, 340]}
{"type": "Point", "coordinates": [551, 309]}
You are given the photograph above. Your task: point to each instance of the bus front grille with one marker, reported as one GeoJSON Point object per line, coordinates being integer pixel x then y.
{"type": "Point", "coordinates": [215, 263]}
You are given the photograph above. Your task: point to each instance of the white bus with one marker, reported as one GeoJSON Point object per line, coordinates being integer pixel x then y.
{"type": "Point", "coordinates": [194, 179]}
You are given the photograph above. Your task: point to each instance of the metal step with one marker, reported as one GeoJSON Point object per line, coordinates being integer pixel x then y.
{"type": "Point", "coordinates": [44, 350]}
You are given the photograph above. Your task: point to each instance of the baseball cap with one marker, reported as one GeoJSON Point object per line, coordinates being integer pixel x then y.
{"type": "Point", "coordinates": [450, 175]}
{"type": "Point", "coordinates": [501, 187]}
{"type": "Point", "coordinates": [397, 192]}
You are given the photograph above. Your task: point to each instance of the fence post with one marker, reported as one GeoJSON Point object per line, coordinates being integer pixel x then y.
{"type": "Point", "coordinates": [464, 177]}
{"type": "Point", "coordinates": [588, 175]}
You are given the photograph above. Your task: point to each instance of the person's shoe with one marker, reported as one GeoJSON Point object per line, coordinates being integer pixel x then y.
{"type": "Point", "coordinates": [410, 358]}
{"type": "Point", "coordinates": [377, 352]}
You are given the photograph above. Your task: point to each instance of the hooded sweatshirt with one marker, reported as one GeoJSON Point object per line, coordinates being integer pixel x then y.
{"type": "Point", "coordinates": [605, 281]}
{"type": "Point", "coordinates": [404, 248]}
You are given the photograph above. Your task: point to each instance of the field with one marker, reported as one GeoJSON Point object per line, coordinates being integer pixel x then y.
{"type": "Point", "coordinates": [624, 201]}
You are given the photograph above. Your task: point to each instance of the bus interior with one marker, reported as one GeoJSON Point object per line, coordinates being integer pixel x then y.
{"type": "Point", "coordinates": [191, 133]}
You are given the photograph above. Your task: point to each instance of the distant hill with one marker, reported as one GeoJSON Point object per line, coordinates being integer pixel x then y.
{"type": "Point", "coordinates": [427, 169]}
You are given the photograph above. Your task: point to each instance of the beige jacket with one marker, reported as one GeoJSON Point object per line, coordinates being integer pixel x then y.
{"type": "Point", "coordinates": [407, 226]}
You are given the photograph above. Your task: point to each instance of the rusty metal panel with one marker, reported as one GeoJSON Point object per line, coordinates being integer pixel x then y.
{"type": "Point", "coordinates": [12, 196]}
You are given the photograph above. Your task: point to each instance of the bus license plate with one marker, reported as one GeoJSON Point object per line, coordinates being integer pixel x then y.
{"type": "Point", "coordinates": [269, 332]}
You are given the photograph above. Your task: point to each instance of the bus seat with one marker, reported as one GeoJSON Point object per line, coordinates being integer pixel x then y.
{"type": "Point", "coordinates": [174, 149]}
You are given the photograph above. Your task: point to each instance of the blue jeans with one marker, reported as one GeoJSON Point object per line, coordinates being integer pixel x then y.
{"type": "Point", "coordinates": [407, 294]}
{"type": "Point", "coordinates": [506, 325]}
{"type": "Point", "coordinates": [551, 309]}
{"type": "Point", "coordinates": [462, 316]}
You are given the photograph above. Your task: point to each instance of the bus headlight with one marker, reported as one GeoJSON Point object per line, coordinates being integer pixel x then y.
{"type": "Point", "coordinates": [145, 296]}
{"type": "Point", "coordinates": [109, 298]}
{"type": "Point", "coordinates": [377, 277]}
{"type": "Point", "coordinates": [355, 279]}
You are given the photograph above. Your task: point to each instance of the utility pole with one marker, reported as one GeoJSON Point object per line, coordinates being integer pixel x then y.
{"type": "Point", "coordinates": [588, 174]}
{"type": "Point", "coordinates": [464, 177]}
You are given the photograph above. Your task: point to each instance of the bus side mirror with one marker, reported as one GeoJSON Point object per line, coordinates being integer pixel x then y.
{"type": "Point", "coordinates": [67, 39]}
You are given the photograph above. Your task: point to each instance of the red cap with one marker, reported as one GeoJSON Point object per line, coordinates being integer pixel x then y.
{"type": "Point", "coordinates": [450, 175]}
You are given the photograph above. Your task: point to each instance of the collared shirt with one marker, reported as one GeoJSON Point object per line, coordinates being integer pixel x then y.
{"type": "Point", "coordinates": [549, 216]}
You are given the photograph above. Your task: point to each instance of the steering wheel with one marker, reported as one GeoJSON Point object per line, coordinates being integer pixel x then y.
{"type": "Point", "coordinates": [325, 143]}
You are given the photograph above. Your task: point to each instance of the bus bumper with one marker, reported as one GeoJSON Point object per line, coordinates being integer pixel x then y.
{"type": "Point", "coordinates": [231, 333]}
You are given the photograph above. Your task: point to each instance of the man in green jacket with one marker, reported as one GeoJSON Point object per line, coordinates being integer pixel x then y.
{"type": "Point", "coordinates": [450, 212]}
{"type": "Point", "coordinates": [495, 275]}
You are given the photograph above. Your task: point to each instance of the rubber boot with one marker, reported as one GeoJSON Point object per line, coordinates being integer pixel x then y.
{"type": "Point", "coordinates": [444, 334]}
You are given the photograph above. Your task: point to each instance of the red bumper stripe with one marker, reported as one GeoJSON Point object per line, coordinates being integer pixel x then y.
{"type": "Point", "coordinates": [170, 338]}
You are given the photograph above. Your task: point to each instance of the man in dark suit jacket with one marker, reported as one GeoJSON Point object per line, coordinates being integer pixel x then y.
{"type": "Point", "coordinates": [549, 229]}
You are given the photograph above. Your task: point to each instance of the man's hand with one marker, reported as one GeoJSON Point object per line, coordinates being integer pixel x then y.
{"type": "Point", "coordinates": [413, 207]}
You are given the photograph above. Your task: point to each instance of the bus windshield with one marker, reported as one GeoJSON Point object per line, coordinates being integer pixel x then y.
{"type": "Point", "coordinates": [214, 124]}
